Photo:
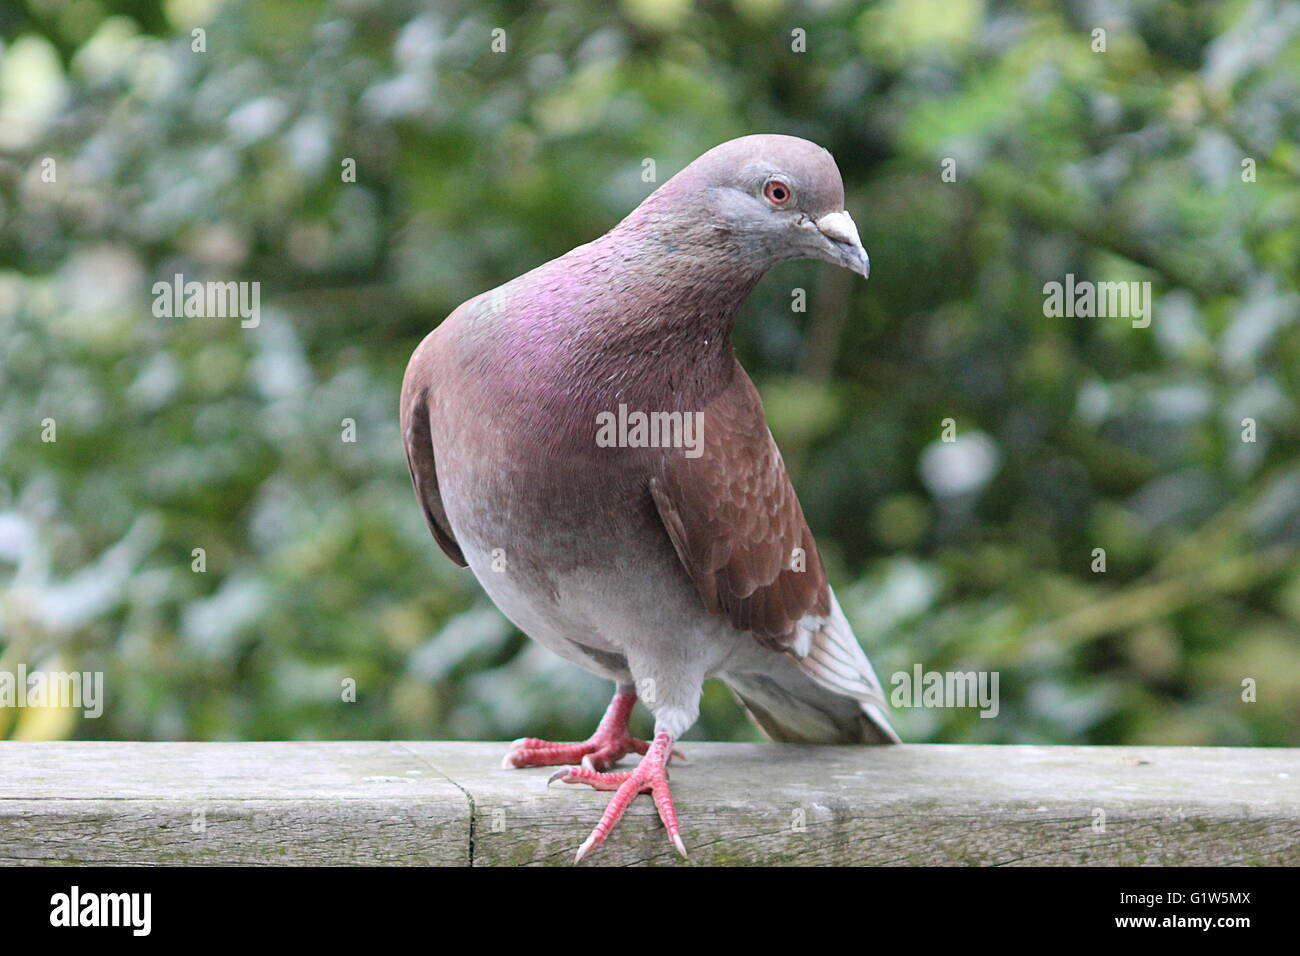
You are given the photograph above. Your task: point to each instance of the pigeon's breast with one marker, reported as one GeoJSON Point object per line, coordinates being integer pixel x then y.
{"type": "Point", "coordinates": [562, 534]}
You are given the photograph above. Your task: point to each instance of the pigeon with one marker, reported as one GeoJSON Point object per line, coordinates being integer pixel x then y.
{"type": "Point", "coordinates": [584, 439]}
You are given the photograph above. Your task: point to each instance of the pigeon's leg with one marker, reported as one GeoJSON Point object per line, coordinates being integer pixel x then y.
{"type": "Point", "coordinates": [649, 776]}
{"type": "Point", "coordinates": [600, 751]}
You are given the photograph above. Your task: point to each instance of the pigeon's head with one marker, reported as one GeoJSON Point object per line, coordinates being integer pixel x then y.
{"type": "Point", "coordinates": [778, 198]}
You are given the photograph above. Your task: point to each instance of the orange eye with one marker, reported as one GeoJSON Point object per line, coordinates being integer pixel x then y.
{"type": "Point", "coordinates": [777, 192]}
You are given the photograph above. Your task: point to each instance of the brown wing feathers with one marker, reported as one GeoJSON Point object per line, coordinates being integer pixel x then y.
{"type": "Point", "coordinates": [424, 473]}
{"type": "Point", "coordinates": [735, 522]}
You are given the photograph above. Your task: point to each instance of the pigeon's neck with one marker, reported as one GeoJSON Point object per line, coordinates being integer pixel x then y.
{"type": "Point", "coordinates": [690, 263]}
{"type": "Point", "coordinates": [680, 284]}
{"type": "Point", "coordinates": [664, 298]}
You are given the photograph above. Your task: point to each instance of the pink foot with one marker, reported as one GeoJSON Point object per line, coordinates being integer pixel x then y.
{"type": "Point", "coordinates": [649, 776]}
{"type": "Point", "coordinates": [610, 743]}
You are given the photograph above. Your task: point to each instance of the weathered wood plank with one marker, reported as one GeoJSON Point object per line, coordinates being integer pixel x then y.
{"type": "Point", "coordinates": [450, 803]}
{"type": "Point", "coordinates": [912, 805]}
{"type": "Point", "coordinates": [227, 803]}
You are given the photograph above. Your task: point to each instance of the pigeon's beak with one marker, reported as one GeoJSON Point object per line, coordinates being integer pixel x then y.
{"type": "Point", "coordinates": [846, 246]}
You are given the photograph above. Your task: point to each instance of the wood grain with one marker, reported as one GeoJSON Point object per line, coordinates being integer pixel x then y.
{"type": "Point", "coordinates": [425, 803]}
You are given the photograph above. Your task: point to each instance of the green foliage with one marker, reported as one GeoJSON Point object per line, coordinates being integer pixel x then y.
{"type": "Point", "coordinates": [473, 166]}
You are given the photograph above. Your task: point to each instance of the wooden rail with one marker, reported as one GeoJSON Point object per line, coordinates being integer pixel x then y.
{"type": "Point", "coordinates": [741, 804]}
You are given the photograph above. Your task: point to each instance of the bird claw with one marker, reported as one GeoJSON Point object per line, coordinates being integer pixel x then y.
{"type": "Point", "coordinates": [594, 756]}
{"type": "Point", "coordinates": [558, 775]}
{"type": "Point", "coordinates": [649, 776]}
{"type": "Point", "coordinates": [602, 750]}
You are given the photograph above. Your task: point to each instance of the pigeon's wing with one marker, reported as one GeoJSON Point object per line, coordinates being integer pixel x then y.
{"type": "Point", "coordinates": [738, 530]}
{"type": "Point", "coordinates": [418, 440]}
{"type": "Point", "coordinates": [736, 524]}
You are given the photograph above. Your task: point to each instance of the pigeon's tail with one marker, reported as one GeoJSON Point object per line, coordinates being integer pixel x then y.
{"type": "Point", "coordinates": [823, 692]}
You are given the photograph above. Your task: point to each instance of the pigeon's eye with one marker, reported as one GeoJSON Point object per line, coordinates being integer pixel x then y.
{"type": "Point", "coordinates": [777, 192]}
